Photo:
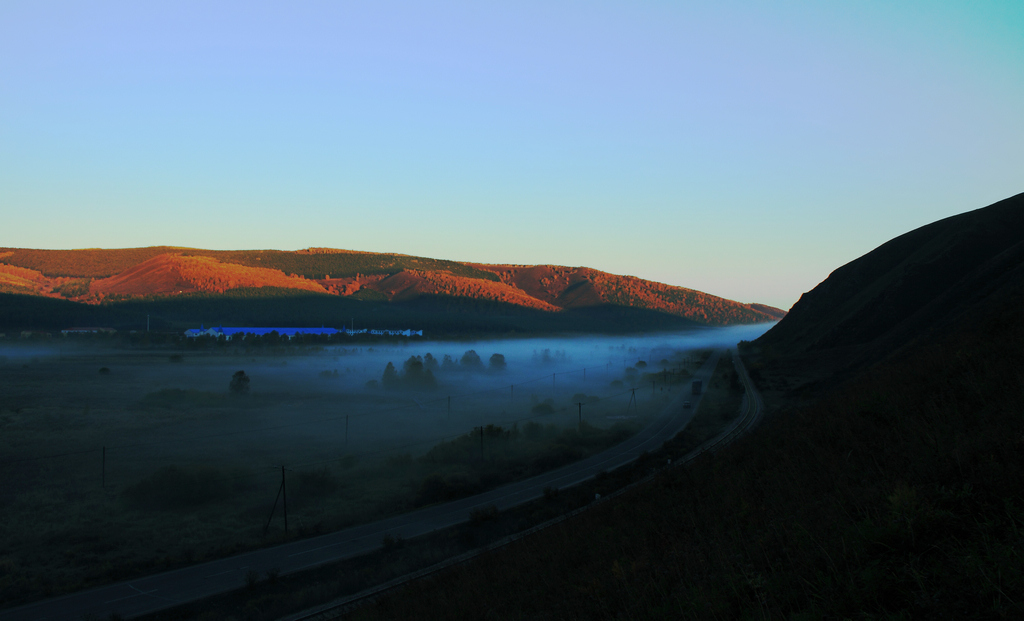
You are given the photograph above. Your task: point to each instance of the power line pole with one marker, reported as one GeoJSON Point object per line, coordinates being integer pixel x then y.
{"type": "Point", "coordinates": [579, 405]}
{"type": "Point", "coordinates": [284, 492]}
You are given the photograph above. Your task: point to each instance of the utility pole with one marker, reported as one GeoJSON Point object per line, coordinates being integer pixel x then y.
{"type": "Point", "coordinates": [579, 405]}
{"type": "Point", "coordinates": [284, 492]}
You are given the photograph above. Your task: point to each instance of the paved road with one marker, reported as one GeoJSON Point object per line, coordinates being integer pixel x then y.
{"type": "Point", "coordinates": [153, 593]}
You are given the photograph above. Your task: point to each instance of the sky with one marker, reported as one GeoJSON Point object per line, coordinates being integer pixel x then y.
{"type": "Point", "coordinates": [744, 149]}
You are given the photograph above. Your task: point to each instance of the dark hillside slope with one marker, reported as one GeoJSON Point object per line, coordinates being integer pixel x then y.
{"type": "Point", "coordinates": [895, 491]}
{"type": "Point", "coordinates": [916, 284]}
{"type": "Point", "coordinates": [898, 495]}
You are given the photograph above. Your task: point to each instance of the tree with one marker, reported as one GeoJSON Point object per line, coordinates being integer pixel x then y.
{"type": "Point", "coordinates": [471, 361]}
{"type": "Point", "coordinates": [430, 362]}
{"type": "Point", "coordinates": [416, 375]}
{"type": "Point", "coordinates": [497, 362]}
{"type": "Point", "coordinates": [413, 366]}
{"type": "Point", "coordinates": [390, 379]}
{"type": "Point", "coordinates": [239, 383]}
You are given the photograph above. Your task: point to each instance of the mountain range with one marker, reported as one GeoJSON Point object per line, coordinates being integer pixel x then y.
{"type": "Point", "coordinates": [95, 276]}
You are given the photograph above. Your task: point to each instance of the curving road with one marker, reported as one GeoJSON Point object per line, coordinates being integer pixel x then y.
{"type": "Point", "coordinates": [160, 591]}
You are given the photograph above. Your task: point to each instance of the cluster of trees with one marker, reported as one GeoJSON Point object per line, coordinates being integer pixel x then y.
{"type": "Point", "coordinates": [418, 372]}
{"type": "Point", "coordinates": [695, 305]}
{"type": "Point", "coordinates": [100, 263]}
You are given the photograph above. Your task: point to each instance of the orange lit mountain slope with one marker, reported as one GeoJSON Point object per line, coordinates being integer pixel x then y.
{"type": "Point", "coordinates": [91, 275]}
{"type": "Point", "coordinates": [576, 287]}
{"type": "Point", "coordinates": [172, 273]}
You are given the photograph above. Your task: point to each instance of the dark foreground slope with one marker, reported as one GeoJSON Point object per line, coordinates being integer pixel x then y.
{"type": "Point", "coordinates": [919, 284]}
{"type": "Point", "coordinates": [896, 491]}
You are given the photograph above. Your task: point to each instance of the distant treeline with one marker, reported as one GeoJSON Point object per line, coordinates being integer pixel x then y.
{"type": "Point", "coordinates": [437, 315]}
{"type": "Point", "coordinates": [102, 263]}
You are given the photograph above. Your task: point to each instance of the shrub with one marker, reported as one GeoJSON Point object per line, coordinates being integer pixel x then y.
{"type": "Point", "coordinates": [390, 542]}
{"type": "Point", "coordinates": [480, 515]}
{"type": "Point", "coordinates": [438, 488]}
{"type": "Point", "coordinates": [532, 430]}
{"type": "Point", "coordinates": [178, 399]}
{"type": "Point", "coordinates": [547, 407]}
{"type": "Point", "coordinates": [239, 383]}
{"type": "Point", "coordinates": [172, 487]}
{"type": "Point", "coordinates": [313, 483]}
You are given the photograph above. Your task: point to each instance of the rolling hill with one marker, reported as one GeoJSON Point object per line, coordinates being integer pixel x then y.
{"type": "Point", "coordinates": [94, 276]}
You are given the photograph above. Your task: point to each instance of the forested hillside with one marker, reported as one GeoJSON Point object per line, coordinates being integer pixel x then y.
{"type": "Point", "coordinates": [104, 276]}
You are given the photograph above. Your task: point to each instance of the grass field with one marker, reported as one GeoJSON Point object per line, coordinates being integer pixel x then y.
{"type": "Point", "coordinates": [272, 596]}
{"type": "Point", "coordinates": [123, 463]}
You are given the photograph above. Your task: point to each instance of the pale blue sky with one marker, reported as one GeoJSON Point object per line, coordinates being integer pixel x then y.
{"type": "Point", "coordinates": [745, 149]}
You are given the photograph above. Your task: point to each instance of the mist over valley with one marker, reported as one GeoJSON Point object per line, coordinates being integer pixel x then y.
{"type": "Point", "coordinates": [148, 441]}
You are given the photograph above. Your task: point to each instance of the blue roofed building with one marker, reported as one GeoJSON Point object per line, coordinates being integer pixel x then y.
{"type": "Point", "coordinates": [231, 333]}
